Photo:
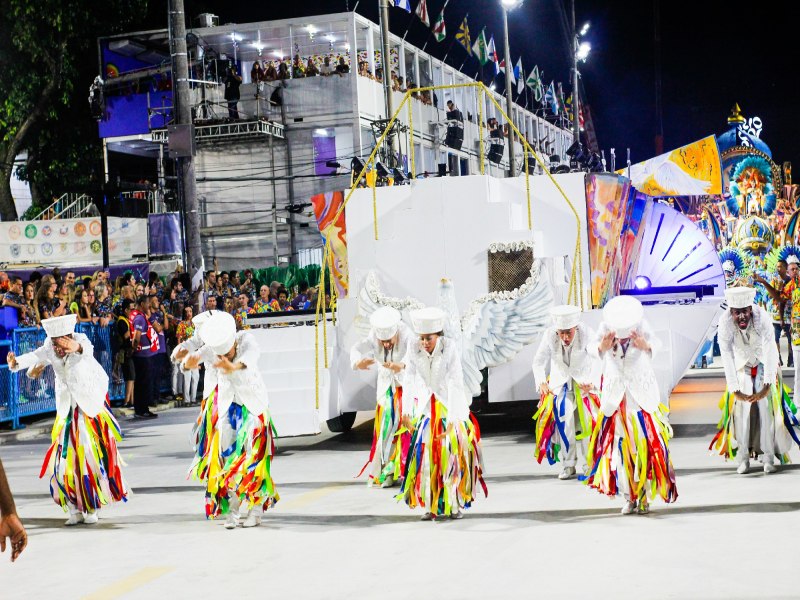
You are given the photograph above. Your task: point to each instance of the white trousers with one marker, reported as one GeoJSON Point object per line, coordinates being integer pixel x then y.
{"type": "Point", "coordinates": [567, 415]}
{"type": "Point", "coordinates": [743, 413]}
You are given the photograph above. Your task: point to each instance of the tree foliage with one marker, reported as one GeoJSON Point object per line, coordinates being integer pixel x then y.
{"type": "Point", "coordinates": [48, 59]}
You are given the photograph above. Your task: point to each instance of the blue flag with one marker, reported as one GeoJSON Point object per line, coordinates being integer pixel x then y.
{"type": "Point", "coordinates": [551, 98]}
{"type": "Point", "coordinates": [404, 4]}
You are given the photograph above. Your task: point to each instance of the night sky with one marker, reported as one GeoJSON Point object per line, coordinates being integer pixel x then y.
{"type": "Point", "coordinates": [713, 55]}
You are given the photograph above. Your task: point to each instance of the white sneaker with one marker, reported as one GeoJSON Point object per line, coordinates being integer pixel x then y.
{"type": "Point", "coordinates": [252, 520]}
{"type": "Point", "coordinates": [427, 517]}
{"type": "Point", "coordinates": [644, 507]}
{"type": "Point", "coordinates": [232, 521]}
{"type": "Point", "coordinates": [769, 468]}
{"type": "Point", "coordinates": [630, 506]}
{"type": "Point", "coordinates": [75, 518]}
{"type": "Point", "coordinates": [90, 518]}
{"type": "Point", "coordinates": [744, 467]}
{"type": "Point", "coordinates": [388, 482]}
{"type": "Point", "coordinates": [457, 515]}
{"type": "Point", "coordinates": [567, 473]}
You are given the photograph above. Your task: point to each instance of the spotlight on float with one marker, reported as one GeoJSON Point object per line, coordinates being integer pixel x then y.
{"type": "Point", "coordinates": [381, 170]}
{"type": "Point", "coordinates": [642, 282]}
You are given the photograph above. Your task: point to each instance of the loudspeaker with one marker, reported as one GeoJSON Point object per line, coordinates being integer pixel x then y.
{"type": "Point", "coordinates": [496, 152]}
{"type": "Point", "coordinates": [180, 140]}
{"type": "Point", "coordinates": [455, 137]}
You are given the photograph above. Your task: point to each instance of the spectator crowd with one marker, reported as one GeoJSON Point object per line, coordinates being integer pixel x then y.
{"type": "Point", "coordinates": [148, 318]}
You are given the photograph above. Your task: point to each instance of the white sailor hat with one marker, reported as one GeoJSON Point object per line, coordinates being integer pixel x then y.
{"type": "Point", "coordinates": [740, 297]}
{"type": "Point", "coordinates": [218, 332]}
{"type": "Point", "coordinates": [60, 326]}
{"type": "Point", "coordinates": [428, 320]}
{"type": "Point", "coordinates": [728, 266]}
{"type": "Point", "coordinates": [201, 318]}
{"type": "Point", "coordinates": [793, 260]}
{"type": "Point", "coordinates": [622, 315]}
{"type": "Point", "coordinates": [385, 322]}
{"type": "Point", "coordinates": [565, 316]}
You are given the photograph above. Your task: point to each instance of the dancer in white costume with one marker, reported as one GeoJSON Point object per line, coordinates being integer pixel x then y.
{"type": "Point", "coordinates": [383, 349]}
{"type": "Point", "coordinates": [759, 418]}
{"type": "Point", "coordinates": [235, 434]}
{"type": "Point", "coordinates": [82, 461]}
{"type": "Point", "coordinates": [444, 465]}
{"type": "Point", "coordinates": [629, 449]}
{"type": "Point", "coordinates": [567, 378]}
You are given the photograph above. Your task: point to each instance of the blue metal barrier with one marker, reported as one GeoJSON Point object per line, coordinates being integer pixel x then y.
{"type": "Point", "coordinates": [21, 396]}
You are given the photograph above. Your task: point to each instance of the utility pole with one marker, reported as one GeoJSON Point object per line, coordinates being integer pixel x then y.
{"type": "Point", "coordinates": [576, 107]}
{"type": "Point", "coordinates": [183, 116]}
{"type": "Point", "coordinates": [386, 65]}
{"type": "Point", "coordinates": [512, 167]}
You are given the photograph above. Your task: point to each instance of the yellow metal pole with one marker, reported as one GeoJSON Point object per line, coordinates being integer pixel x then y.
{"type": "Point", "coordinates": [413, 173]}
{"type": "Point", "coordinates": [481, 93]}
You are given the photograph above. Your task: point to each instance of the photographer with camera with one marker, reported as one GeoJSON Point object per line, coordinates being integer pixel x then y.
{"type": "Point", "coordinates": [232, 84]}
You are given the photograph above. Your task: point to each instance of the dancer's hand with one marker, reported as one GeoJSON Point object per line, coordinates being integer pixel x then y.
{"type": "Point", "coordinates": [192, 362]}
{"type": "Point", "coordinates": [639, 342]}
{"type": "Point", "coordinates": [606, 342]}
{"type": "Point", "coordinates": [226, 366]}
{"type": "Point", "coordinates": [11, 527]}
{"type": "Point", "coordinates": [66, 344]}
{"type": "Point", "coordinates": [364, 364]}
{"type": "Point", "coordinates": [181, 354]}
{"type": "Point", "coordinates": [394, 367]}
{"type": "Point", "coordinates": [742, 397]}
{"type": "Point", "coordinates": [36, 371]}
{"type": "Point", "coordinates": [407, 422]}
{"type": "Point", "coordinates": [544, 390]}
{"type": "Point", "coordinates": [11, 359]}
{"type": "Point", "coordinates": [760, 395]}
{"type": "Point", "coordinates": [585, 388]}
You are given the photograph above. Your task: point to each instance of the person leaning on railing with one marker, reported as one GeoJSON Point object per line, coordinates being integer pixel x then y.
{"type": "Point", "coordinates": [15, 298]}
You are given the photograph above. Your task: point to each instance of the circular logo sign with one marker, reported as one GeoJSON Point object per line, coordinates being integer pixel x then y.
{"type": "Point", "coordinates": [63, 231]}
{"type": "Point", "coordinates": [14, 232]}
{"type": "Point", "coordinates": [80, 229]}
{"type": "Point", "coordinates": [30, 231]}
{"type": "Point", "coordinates": [96, 246]}
{"type": "Point", "coordinates": [94, 228]}
{"type": "Point", "coordinates": [47, 249]}
{"type": "Point", "coordinates": [80, 247]}
{"type": "Point", "coordinates": [15, 250]}
{"type": "Point", "coordinates": [47, 230]}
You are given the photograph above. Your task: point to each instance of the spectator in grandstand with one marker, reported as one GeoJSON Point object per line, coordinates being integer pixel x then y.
{"type": "Point", "coordinates": [145, 344]}
{"type": "Point", "coordinates": [240, 312]}
{"type": "Point", "coordinates": [65, 295]}
{"type": "Point", "coordinates": [273, 289]}
{"type": "Point", "coordinates": [102, 305]}
{"type": "Point", "coordinates": [29, 318]}
{"type": "Point", "coordinates": [125, 293]}
{"type": "Point", "coordinates": [327, 68]}
{"type": "Point", "coordinates": [298, 70]}
{"type": "Point", "coordinates": [69, 279]}
{"type": "Point", "coordinates": [270, 73]}
{"type": "Point", "coordinates": [228, 286]}
{"type": "Point", "coordinates": [264, 304]}
{"type": "Point", "coordinates": [56, 273]}
{"type": "Point", "coordinates": [379, 74]}
{"type": "Point", "coordinates": [123, 358]}
{"type": "Point", "coordinates": [211, 302]}
{"type": "Point", "coordinates": [36, 279]}
{"type": "Point", "coordinates": [283, 71]}
{"type": "Point", "coordinates": [283, 299]}
{"type": "Point", "coordinates": [47, 304]}
{"type": "Point", "coordinates": [4, 282]}
{"type": "Point", "coordinates": [342, 68]}
{"type": "Point", "coordinates": [232, 83]}
{"type": "Point", "coordinates": [191, 378]}
{"type": "Point", "coordinates": [15, 299]}
{"type": "Point", "coordinates": [299, 301]}
{"type": "Point", "coordinates": [85, 309]}
{"type": "Point", "coordinates": [160, 322]}
{"type": "Point", "coordinates": [256, 74]}
{"type": "Point", "coordinates": [363, 69]}
{"type": "Point", "coordinates": [138, 290]}
{"type": "Point", "coordinates": [401, 84]}
{"type": "Point", "coordinates": [311, 68]}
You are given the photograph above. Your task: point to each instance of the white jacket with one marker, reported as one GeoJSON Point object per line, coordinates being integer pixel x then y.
{"type": "Point", "coordinates": [630, 373]}
{"type": "Point", "coordinates": [79, 379]}
{"type": "Point", "coordinates": [193, 344]}
{"type": "Point", "coordinates": [582, 367]}
{"type": "Point", "coordinates": [440, 374]}
{"type": "Point", "coordinates": [738, 352]}
{"type": "Point", "coordinates": [371, 347]}
{"type": "Point", "coordinates": [245, 387]}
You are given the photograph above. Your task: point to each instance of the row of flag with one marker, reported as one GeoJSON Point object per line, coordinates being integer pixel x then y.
{"type": "Point", "coordinates": [486, 51]}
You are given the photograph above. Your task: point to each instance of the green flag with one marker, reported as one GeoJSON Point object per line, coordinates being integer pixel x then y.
{"type": "Point", "coordinates": [439, 30]}
{"type": "Point", "coordinates": [479, 48]}
{"type": "Point", "coordinates": [535, 83]}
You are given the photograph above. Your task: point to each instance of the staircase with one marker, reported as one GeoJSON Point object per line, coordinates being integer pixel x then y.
{"type": "Point", "coordinates": [68, 206]}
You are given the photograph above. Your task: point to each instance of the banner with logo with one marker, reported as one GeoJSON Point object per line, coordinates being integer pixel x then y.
{"type": "Point", "coordinates": [71, 241]}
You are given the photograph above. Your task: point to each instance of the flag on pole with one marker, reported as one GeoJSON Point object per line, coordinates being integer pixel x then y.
{"type": "Point", "coordinates": [535, 83]}
{"type": "Point", "coordinates": [493, 55]}
{"type": "Point", "coordinates": [480, 49]}
{"type": "Point", "coordinates": [422, 12]}
{"type": "Point", "coordinates": [463, 36]}
{"type": "Point", "coordinates": [502, 69]}
{"type": "Point", "coordinates": [519, 76]}
{"type": "Point", "coordinates": [551, 98]}
{"type": "Point", "coordinates": [404, 4]}
{"type": "Point", "coordinates": [439, 29]}
{"type": "Point", "coordinates": [560, 97]}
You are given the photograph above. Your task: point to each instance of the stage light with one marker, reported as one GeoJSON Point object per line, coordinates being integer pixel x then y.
{"type": "Point", "coordinates": [583, 51]}
{"type": "Point", "coordinates": [381, 170]}
{"type": "Point", "coordinates": [357, 165]}
{"type": "Point", "coordinates": [585, 28]}
{"type": "Point", "coordinates": [399, 177]}
{"type": "Point", "coordinates": [642, 282]}
{"type": "Point", "coordinates": [332, 164]}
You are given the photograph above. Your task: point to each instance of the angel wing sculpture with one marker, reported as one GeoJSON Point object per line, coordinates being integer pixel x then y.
{"type": "Point", "coordinates": [370, 298]}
